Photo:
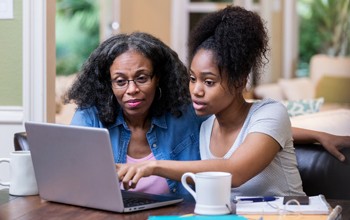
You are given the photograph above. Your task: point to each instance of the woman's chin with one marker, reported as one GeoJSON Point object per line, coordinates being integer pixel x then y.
{"type": "Point", "coordinates": [201, 113]}
{"type": "Point", "coordinates": [135, 113]}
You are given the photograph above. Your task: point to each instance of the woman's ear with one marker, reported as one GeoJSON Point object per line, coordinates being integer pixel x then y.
{"type": "Point", "coordinates": [242, 86]}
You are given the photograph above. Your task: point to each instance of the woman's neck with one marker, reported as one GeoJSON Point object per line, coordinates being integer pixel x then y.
{"type": "Point", "coordinates": [233, 117]}
{"type": "Point", "coordinates": [134, 122]}
{"type": "Point", "coordinates": [138, 144]}
{"type": "Point", "coordinates": [226, 128]}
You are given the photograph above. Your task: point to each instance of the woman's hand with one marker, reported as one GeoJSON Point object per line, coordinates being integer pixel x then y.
{"type": "Point", "coordinates": [130, 174]}
{"type": "Point", "coordinates": [334, 143]}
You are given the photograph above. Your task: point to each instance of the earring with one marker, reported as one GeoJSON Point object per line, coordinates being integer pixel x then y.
{"type": "Point", "coordinates": [160, 93]}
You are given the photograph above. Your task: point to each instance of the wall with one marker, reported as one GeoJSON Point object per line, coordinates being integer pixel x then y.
{"type": "Point", "coordinates": [140, 15]}
{"type": "Point", "coordinates": [145, 16]}
{"type": "Point", "coordinates": [276, 44]}
{"type": "Point", "coordinates": [11, 58]}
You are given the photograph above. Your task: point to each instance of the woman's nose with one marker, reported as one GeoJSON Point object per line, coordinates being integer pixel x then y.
{"type": "Point", "coordinates": [197, 89]}
{"type": "Point", "coordinates": [132, 87]}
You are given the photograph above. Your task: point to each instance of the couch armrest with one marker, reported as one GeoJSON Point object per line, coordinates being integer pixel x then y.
{"type": "Point", "coordinates": [322, 173]}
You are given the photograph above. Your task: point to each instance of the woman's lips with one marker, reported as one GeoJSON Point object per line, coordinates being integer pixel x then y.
{"type": "Point", "coordinates": [198, 105]}
{"type": "Point", "coordinates": [133, 103]}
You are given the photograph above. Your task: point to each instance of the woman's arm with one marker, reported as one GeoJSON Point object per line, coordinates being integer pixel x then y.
{"type": "Point", "coordinates": [252, 156]}
{"type": "Point", "coordinates": [332, 143]}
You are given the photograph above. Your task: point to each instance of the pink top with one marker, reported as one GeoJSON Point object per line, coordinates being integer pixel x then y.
{"type": "Point", "coordinates": [151, 184]}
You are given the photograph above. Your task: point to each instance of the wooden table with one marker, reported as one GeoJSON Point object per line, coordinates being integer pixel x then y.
{"type": "Point", "coordinates": [32, 207]}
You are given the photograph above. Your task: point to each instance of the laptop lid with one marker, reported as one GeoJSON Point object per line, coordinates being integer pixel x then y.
{"type": "Point", "coordinates": [75, 165]}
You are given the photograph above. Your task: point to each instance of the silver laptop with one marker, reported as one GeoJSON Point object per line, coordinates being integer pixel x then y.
{"type": "Point", "coordinates": [74, 165]}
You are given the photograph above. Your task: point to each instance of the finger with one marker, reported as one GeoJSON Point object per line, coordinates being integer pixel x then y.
{"type": "Point", "coordinates": [118, 166]}
{"type": "Point", "coordinates": [341, 157]}
{"type": "Point", "coordinates": [336, 153]}
{"type": "Point", "coordinates": [121, 173]}
{"type": "Point", "coordinates": [133, 184]}
{"type": "Point", "coordinates": [127, 176]}
{"type": "Point", "coordinates": [132, 177]}
{"type": "Point", "coordinates": [135, 180]}
{"type": "Point", "coordinates": [126, 185]}
{"type": "Point", "coordinates": [126, 182]}
{"type": "Point", "coordinates": [129, 185]}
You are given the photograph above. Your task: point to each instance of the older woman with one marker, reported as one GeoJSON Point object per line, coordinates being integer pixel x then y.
{"type": "Point", "coordinates": [137, 87]}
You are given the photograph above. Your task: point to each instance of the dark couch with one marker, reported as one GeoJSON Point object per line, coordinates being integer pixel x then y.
{"type": "Point", "coordinates": [321, 173]}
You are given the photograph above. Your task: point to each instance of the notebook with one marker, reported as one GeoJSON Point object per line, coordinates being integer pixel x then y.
{"type": "Point", "coordinates": [317, 205]}
{"type": "Point", "coordinates": [74, 165]}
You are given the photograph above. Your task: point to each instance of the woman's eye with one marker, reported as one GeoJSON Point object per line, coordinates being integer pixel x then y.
{"type": "Point", "coordinates": [120, 81]}
{"type": "Point", "coordinates": [209, 82]}
{"type": "Point", "coordinates": [142, 79]}
{"type": "Point", "coordinates": [192, 79]}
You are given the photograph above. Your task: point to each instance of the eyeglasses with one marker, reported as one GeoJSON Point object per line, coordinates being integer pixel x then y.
{"type": "Point", "coordinates": [140, 81]}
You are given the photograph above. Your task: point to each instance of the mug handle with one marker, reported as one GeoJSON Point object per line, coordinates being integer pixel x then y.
{"type": "Point", "coordinates": [187, 187]}
{"type": "Point", "coordinates": [8, 161]}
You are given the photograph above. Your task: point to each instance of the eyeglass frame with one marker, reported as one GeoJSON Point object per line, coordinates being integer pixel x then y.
{"type": "Point", "coordinates": [149, 80]}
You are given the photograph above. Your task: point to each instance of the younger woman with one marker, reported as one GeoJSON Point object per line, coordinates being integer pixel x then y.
{"type": "Point", "coordinates": [252, 141]}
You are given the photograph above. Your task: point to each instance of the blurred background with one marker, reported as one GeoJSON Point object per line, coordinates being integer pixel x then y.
{"type": "Point", "coordinates": [298, 29]}
{"type": "Point", "coordinates": [316, 26]}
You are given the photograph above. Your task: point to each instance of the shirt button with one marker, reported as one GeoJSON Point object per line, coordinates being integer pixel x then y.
{"type": "Point", "coordinates": [154, 145]}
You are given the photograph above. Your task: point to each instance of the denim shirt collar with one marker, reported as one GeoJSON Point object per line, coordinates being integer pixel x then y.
{"type": "Point", "coordinates": [159, 121]}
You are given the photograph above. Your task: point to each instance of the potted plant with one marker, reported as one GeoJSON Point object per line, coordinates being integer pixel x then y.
{"type": "Point", "coordinates": [324, 28]}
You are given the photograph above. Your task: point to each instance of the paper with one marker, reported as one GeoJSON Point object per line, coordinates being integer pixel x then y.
{"type": "Point", "coordinates": [198, 217]}
{"type": "Point", "coordinates": [6, 9]}
{"type": "Point", "coordinates": [317, 205]}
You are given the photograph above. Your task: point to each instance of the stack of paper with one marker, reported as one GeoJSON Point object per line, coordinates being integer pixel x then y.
{"type": "Point", "coordinates": [317, 205]}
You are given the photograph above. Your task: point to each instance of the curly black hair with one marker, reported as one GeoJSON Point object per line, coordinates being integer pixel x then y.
{"type": "Point", "coordinates": [238, 39]}
{"type": "Point", "coordinates": [93, 84]}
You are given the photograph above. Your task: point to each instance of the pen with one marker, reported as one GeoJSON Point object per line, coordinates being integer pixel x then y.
{"type": "Point", "coordinates": [258, 199]}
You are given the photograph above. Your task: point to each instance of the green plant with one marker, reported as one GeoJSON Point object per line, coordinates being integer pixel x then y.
{"type": "Point", "coordinates": [324, 28]}
{"type": "Point", "coordinates": [77, 33]}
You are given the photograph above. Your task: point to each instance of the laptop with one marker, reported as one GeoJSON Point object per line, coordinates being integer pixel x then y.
{"type": "Point", "coordinates": [74, 165]}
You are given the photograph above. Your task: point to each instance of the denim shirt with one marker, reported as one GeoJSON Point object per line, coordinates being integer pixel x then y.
{"type": "Point", "coordinates": [169, 137]}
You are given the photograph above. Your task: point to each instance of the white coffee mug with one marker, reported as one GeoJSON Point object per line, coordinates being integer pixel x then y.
{"type": "Point", "coordinates": [213, 192]}
{"type": "Point", "coordinates": [22, 177]}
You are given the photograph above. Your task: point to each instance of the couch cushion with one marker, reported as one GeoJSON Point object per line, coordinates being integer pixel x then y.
{"type": "Point", "coordinates": [304, 106]}
{"type": "Point", "coordinates": [334, 89]}
{"type": "Point", "coordinates": [271, 90]}
{"type": "Point", "coordinates": [321, 64]}
{"type": "Point", "coordinates": [298, 88]}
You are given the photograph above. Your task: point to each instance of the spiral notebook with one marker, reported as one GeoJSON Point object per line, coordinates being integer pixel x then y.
{"type": "Point", "coordinates": [317, 205]}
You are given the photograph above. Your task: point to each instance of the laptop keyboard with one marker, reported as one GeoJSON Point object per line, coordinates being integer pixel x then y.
{"type": "Point", "coordinates": [130, 202]}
